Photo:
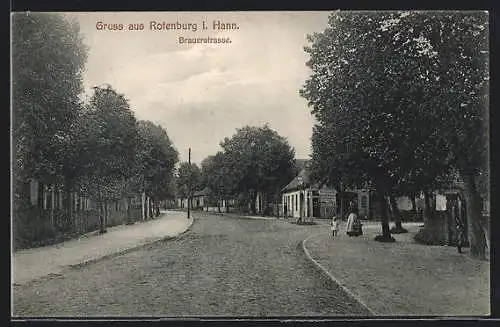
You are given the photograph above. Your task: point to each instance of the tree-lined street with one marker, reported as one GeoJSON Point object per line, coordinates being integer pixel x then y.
{"type": "Point", "coordinates": [223, 266]}
{"type": "Point", "coordinates": [397, 104]}
{"type": "Point", "coordinates": [400, 100]}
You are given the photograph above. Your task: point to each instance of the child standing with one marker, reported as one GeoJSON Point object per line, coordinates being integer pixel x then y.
{"type": "Point", "coordinates": [335, 226]}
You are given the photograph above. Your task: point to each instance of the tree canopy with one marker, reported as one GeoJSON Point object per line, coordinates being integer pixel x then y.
{"type": "Point", "coordinates": [258, 159]}
{"type": "Point", "coordinates": [399, 98]}
{"type": "Point", "coordinates": [48, 57]}
{"type": "Point", "coordinates": [188, 179]}
{"type": "Point", "coordinates": [108, 143]}
{"type": "Point", "coordinates": [156, 159]}
{"type": "Point", "coordinates": [216, 177]}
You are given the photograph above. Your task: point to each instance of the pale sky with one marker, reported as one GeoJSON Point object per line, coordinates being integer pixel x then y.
{"type": "Point", "coordinates": [200, 93]}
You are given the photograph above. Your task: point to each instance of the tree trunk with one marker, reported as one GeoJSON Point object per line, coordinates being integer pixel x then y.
{"type": "Point", "coordinates": [128, 214]}
{"type": "Point", "coordinates": [150, 207]}
{"type": "Point", "coordinates": [384, 220]}
{"type": "Point", "coordinates": [52, 205]}
{"type": "Point", "coordinates": [398, 229]}
{"type": "Point", "coordinates": [263, 203]}
{"type": "Point", "coordinates": [39, 201]}
{"type": "Point", "coordinates": [451, 217]}
{"type": "Point", "coordinates": [477, 240]}
{"type": "Point", "coordinates": [253, 199]}
{"type": "Point", "coordinates": [105, 213]}
{"type": "Point", "coordinates": [413, 204]}
{"type": "Point", "coordinates": [395, 212]}
{"type": "Point", "coordinates": [218, 204]}
{"type": "Point", "coordinates": [68, 201]}
{"type": "Point", "coordinates": [342, 213]}
{"type": "Point", "coordinates": [143, 205]}
{"type": "Point", "coordinates": [102, 228]}
{"type": "Point", "coordinates": [427, 208]}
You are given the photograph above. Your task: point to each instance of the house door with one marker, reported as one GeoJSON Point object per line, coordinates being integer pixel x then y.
{"type": "Point", "coordinates": [302, 205]}
{"type": "Point", "coordinates": [316, 207]}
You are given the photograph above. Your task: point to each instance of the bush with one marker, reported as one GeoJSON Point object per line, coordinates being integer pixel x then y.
{"type": "Point", "coordinates": [396, 230]}
{"type": "Point", "coordinates": [429, 236]}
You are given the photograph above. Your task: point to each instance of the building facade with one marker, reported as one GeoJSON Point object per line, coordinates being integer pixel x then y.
{"type": "Point", "coordinates": [304, 199]}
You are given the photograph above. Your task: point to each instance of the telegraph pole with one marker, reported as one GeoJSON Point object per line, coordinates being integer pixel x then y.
{"type": "Point", "coordinates": [189, 184]}
{"type": "Point", "coordinates": [341, 201]}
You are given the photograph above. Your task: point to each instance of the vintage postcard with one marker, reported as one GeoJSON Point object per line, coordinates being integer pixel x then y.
{"type": "Point", "coordinates": [299, 164]}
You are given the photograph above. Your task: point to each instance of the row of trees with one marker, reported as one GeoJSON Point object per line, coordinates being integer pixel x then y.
{"type": "Point", "coordinates": [255, 160]}
{"type": "Point", "coordinates": [96, 147]}
{"type": "Point", "coordinates": [401, 103]}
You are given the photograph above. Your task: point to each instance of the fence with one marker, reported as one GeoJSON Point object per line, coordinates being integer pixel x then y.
{"type": "Point", "coordinates": [32, 226]}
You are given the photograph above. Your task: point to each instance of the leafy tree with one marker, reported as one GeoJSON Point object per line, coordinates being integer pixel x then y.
{"type": "Point", "coordinates": [455, 45]}
{"type": "Point", "coordinates": [461, 103]}
{"type": "Point", "coordinates": [389, 91]}
{"type": "Point", "coordinates": [108, 143]}
{"type": "Point", "coordinates": [258, 160]}
{"type": "Point", "coordinates": [48, 58]}
{"type": "Point", "coordinates": [216, 177]}
{"type": "Point", "coordinates": [188, 179]}
{"type": "Point", "coordinates": [156, 158]}
{"type": "Point", "coordinates": [365, 94]}
{"type": "Point", "coordinates": [351, 96]}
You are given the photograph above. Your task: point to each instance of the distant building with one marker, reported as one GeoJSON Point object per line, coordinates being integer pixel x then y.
{"type": "Point", "coordinates": [182, 202]}
{"type": "Point", "coordinates": [302, 198]}
{"type": "Point", "coordinates": [204, 200]}
{"type": "Point", "coordinates": [201, 198]}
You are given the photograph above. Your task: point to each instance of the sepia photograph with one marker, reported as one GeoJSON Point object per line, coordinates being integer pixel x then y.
{"type": "Point", "coordinates": [252, 165]}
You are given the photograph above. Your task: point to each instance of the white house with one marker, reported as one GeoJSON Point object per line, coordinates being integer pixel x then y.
{"type": "Point", "coordinates": [303, 199]}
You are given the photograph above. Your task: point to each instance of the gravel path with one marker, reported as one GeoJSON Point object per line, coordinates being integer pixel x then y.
{"type": "Point", "coordinates": [405, 278]}
{"type": "Point", "coordinates": [223, 266]}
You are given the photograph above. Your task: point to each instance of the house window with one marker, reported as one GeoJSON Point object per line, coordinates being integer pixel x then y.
{"type": "Point", "coordinates": [296, 202]}
{"type": "Point", "coordinates": [364, 201]}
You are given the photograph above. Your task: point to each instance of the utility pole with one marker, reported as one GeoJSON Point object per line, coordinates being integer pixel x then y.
{"type": "Point", "coordinates": [189, 184]}
{"type": "Point", "coordinates": [341, 201]}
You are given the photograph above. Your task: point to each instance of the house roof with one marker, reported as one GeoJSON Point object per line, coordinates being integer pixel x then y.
{"type": "Point", "coordinates": [303, 177]}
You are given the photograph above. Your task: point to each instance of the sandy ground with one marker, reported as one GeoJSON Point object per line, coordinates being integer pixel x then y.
{"type": "Point", "coordinates": [405, 278]}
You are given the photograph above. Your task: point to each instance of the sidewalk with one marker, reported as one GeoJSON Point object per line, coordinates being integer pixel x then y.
{"type": "Point", "coordinates": [31, 264]}
{"type": "Point", "coordinates": [229, 214]}
{"type": "Point", "coordinates": [237, 215]}
{"type": "Point", "coordinates": [404, 278]}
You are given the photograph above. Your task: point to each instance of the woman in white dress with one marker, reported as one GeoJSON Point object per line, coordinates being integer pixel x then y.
{"type": "Point", "coordinates": [352, 221]}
